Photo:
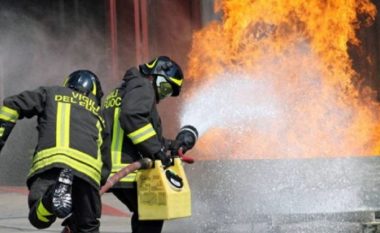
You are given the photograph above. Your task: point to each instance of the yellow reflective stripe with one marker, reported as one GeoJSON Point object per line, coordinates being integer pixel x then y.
{"type": "Point", "coordinates": [129, 178]}
{"type": "Point", "coordinates": [176, 81]}
{"type": "Point", "coordinates": [65, 82]}
{"type": "Point", "coordinates": [8, 114]}
{"type": "Point", "coordinates": [2, 131]}
{"type": "Point", "coordinates": [119, 166]}
{"type": "Point", "coordinates": [117, 138]}
{"type": "Point", "coordinates": [75, 159]}
{"type": "Point", "coordinates": [100, 140]}
{"type": "Point", "coordinates": [93, 88]}
{"type": "Point", "coordinates": [142, 134]}
{"type": "Point", "coordinates": [69, 161]}
{"type": "Point", "coordinates": [116, 149]}
{"type": "Point", "coordinates": [42, 212]}
{"type": "Point", "coordinates": [150, 66]}
{"type": "Point", "coordinates": [63, 124]}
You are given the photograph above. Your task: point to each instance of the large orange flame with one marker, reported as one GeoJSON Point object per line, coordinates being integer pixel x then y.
{"type": "Point", "coordinates": [302, 48]}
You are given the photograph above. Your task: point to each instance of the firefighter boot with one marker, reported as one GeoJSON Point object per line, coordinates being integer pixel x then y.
{"type": "Point", "coordinates": [66, 230]}
{"type": "Point", "coordinates": [62, 202]}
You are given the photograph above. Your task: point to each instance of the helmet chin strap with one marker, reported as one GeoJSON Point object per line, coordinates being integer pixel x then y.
{"type": "Point", "coordinates": [150, 78]}
{"type": "Point", "coordinates": [155, 91]}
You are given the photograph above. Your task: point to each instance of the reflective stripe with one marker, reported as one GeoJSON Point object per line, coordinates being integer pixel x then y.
{"type": "Point", "coordinates": [8, 114]}
{"type": "Point", "coordinates": [75, 159]}
{"type": "Point", "coordinates": [42, 212]}
{"type": "Point", "coordinates": [117, 138]}
{"type": "Point", "coordinates": [176, 81]}
{"type": "Point", "coordinates": [2, 129]}
{"type": "Point", "coordinates": [150, 66]}
{"type": "Point", "coordinates": [100, 140]}
{"type": "Point", "coordinates": [94, 88]}
{"type": "Point", "coordinates": [131, 177]}
{"type": "Point", "coordinates": [116, 149]}
{"type": "Point", "coordinates": [65, 82]}
{"type": "Point", "coordinates": [142, 134]}
{"type": "Point", "coordinates": [63, 124]}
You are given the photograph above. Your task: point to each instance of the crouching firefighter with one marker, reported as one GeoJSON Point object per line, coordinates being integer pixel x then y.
{"type": "Point", "coordinates": [134, 128]}
{"type": "Point", "coordinates": [65, 175]}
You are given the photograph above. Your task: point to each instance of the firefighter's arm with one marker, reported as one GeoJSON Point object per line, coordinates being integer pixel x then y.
{"type": "Point", "coordinates": [25, 104]}
{"type": "Point", "coordinates": [135, 119]}
{"type": "Point", "coordinates": [8, 118]}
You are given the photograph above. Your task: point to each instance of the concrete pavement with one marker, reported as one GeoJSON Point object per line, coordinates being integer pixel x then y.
{"type": "Point", "coordinates": [331, 195]}
{"type": "Point", "coordinates": [14, 214]}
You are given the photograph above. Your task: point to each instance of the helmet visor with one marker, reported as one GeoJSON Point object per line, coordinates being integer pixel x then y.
{"type": "Point", "coordinates": [164, 88]}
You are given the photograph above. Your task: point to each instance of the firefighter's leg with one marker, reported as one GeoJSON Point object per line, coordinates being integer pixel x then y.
{"type": "Point", "coordinates": [86, 207]}
{"type": "Point", "coordinates": [39, 200]}
{"type": "Point", "coordinates": [62, 200]}
{"type": "Point", "coordinates": [146, 226]}
{"type": "Point", "coordinates": [128, 196]}
{"type": "Point", "coordinates": [68, 225]}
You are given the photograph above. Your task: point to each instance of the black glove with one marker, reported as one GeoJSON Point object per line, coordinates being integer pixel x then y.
{"type": "Point", "coordinates": [5, 130]}
{"type": "Point", "coordinates": [186, 138]}
{"type": "Point", "coordinates": [174, 147]}
{"type": "Point", "coordinates": [165, 159]}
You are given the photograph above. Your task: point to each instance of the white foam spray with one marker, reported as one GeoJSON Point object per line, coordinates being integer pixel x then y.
{"type": "Point", "coordinates": [266, 114]}
{"type": "Point", "coordinates": [232, 102]}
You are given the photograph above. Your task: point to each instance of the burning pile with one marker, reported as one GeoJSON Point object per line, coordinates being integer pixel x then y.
{"type": "Point", "coordinates": [273, 79]}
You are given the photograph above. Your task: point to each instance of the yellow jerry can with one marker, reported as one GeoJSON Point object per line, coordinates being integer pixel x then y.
{"type": "Point", "coordinates": [163, 194]}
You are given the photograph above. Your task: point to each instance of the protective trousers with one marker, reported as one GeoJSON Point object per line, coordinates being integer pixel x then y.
{"type": "Point", "coordinates": [128, 196]}
{"type": "Point", "coordinates": [86, 203]}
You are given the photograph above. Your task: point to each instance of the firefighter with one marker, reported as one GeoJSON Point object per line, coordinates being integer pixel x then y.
{"type": "Point", "coordinates": [65, 175]}
{"type": "Point", "coordinates": [134, 128]}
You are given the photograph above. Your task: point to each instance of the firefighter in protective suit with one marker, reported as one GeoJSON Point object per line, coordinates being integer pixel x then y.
{"type": "Point", "coordinates": [65, 175]}
{"type": "Point", "coordinates": [134, 129]}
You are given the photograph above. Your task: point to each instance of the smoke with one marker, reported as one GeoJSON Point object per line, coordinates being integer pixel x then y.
{"type": "Point", "coordinates": [34, 53]}
{"type": "Point", "coordinates": [40, 46]}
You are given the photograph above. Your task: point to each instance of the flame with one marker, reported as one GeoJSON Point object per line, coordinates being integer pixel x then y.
{"type": "Point", "coordinates": [301, 49]}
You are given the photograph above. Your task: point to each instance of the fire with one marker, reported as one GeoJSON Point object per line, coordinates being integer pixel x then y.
{"type": "Point", "coordinates": [300, 50]}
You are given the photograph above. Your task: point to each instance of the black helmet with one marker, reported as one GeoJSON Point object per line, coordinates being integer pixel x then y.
{"type": "Point", "coordinates": [85, 82]}
{"type": "Point", "coordinates": [168, 69]}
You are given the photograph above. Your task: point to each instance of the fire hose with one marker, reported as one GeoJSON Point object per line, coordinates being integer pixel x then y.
{"type": "Point", "coordinates": [188, 135]}
{"type": "Point", "coordinates": [144, 163]}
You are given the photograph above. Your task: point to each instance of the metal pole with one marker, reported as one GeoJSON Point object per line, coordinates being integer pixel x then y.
{"type": "Point", "coordinates": [136, 9]}
{"type": "Point", "coordinates": [141, 30]}
{"type": "Point", "coordinates": [144, 30]}
{"type": "Point", "coordinates": [113, 39]}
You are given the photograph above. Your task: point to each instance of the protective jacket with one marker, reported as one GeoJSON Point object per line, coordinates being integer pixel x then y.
{"type": "Point", "coordinates": [133, 124]}
{"type": "Point", "coordinates": [69, 130]}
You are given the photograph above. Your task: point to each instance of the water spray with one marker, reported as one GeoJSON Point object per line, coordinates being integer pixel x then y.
{"type": "Point", "coordinates": [232, 101]}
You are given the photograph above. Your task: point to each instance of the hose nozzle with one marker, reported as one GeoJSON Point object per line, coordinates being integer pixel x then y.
{"type": "Point", "coordinates": [187, 137]}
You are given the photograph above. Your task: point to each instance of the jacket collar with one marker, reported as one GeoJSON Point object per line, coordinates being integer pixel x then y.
{"type": "Point", "coordinates": [130, 74]}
